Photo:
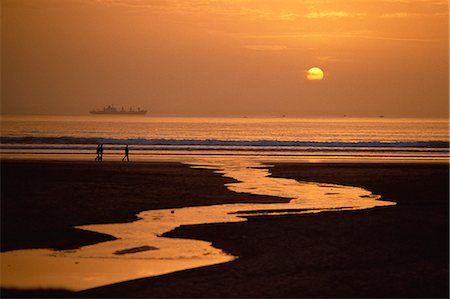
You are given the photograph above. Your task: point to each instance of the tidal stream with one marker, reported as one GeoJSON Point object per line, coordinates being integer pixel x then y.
{"type": "Point", "coordinates": [140, 251]}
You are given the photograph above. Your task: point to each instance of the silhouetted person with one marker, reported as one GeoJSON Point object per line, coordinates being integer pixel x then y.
{"type": "Point", "coordinates": [98, 153]}
{"type": "Point", "coordinates": [126, 154]}
{"type": "Point", "coordinates": [101, 153]}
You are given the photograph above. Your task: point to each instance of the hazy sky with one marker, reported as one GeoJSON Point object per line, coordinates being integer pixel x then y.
{"type": "Point", "coordinates": [226, 58]}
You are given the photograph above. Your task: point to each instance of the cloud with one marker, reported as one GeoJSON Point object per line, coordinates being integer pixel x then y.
{"type": "Point", "coordinates": [432, 2]}
{"type": "Point", "coordinates": [397, 1]}
{"type": "Point", "coordinates": [326, 58]}
{"type": "Point", "coordinates": [209, 7]}
{"type": "Point", "coordinates": [288, 16]}
{"type": "Point", "coordinates": [18, 5]}
{"type": "Point", "coordinates": [341, 35]}
{"type": "Point", "coordinates": [265, 47]}
{"type": "Point", "coordinates": [399, 15]}
{"type": "Point", "coordinates": [400, 39]}
{"type": "Point", "coordinates": [138, 3]}
{"type": "Point", "coordinates": [335, 14]}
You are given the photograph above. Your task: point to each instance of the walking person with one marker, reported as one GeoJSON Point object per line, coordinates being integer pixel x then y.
{"type": "Point", "coordinates": [126, 154]}
{"type": "Point", "coordinates": [101, 153]}
{"type": "Point", "coordinates": [98, 153]}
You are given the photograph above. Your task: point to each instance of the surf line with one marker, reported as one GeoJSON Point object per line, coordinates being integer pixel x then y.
{"type": "Point", "coordinates": [140, 251]}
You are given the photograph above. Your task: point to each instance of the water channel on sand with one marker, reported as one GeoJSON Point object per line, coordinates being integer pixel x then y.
{"type": "Point", "coordinates": [139, 251]}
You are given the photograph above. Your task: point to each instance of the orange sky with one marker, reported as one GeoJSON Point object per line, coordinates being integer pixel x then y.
{"type": "Point", "coordinates": [226, 58]}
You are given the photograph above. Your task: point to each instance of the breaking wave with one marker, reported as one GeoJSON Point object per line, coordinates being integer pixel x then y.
{"type": "Point", "coordinates": [219, 142]}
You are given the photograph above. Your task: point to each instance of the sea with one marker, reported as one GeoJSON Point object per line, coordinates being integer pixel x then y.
{"type": "Point", "coordinates": [165, 138]}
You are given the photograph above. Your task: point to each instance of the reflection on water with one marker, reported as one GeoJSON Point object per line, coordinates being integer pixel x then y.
{"type": "Point", "coordinates": [139, 250]}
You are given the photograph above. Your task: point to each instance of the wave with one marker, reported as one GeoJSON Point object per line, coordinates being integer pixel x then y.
{"type": "Point", "coordinates": [219, 142]}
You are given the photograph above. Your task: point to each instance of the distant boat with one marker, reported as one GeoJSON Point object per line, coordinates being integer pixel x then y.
{"type": "Point", "coordinates": [111, 110]}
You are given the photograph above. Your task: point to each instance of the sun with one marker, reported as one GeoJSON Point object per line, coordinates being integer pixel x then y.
{"type": "Point", "coordinates": [314, 73]}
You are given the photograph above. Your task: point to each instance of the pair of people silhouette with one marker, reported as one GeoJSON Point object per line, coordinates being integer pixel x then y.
{"type": "Point", "coordinates": [99, 157]}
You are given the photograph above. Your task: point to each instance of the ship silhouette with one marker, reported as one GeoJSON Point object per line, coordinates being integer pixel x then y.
{"type": "Point", "coordinates": [111, 110]}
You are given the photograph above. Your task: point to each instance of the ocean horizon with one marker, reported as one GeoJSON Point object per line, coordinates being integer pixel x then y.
{"type": "Point", "coordinates": [76, 137]}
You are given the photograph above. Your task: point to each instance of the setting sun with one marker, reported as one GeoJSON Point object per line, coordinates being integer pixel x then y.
{"type": "Point", "coordinates": [314, 73]}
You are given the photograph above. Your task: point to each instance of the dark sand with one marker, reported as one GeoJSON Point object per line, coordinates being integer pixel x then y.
{"type": "Point", "coordinates": [399, 251]}
{"type": "Point", "coordinates": [42, 200]}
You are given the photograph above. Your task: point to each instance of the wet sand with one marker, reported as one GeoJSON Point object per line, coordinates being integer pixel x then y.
{"type": "Point", "coordinates": [399, 251]}
{"type": "Point", "coordinates": [42, 200]}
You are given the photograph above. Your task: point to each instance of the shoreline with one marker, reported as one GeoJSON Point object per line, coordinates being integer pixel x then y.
{"type": "Point", "coordinates": [186, 156]}
{"type": "Point", "coordinates": [282, 234]}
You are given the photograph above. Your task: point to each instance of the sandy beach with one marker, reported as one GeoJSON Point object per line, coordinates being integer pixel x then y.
{"type": "Point", "coordinates": [397, 251]}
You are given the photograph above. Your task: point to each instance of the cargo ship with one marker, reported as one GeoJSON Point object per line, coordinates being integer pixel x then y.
{"type": "Point", "coordinates": [111, 110]}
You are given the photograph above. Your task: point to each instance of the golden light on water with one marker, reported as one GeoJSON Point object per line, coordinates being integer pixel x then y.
{"type": "Point", "coordinates": [314, 73]}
